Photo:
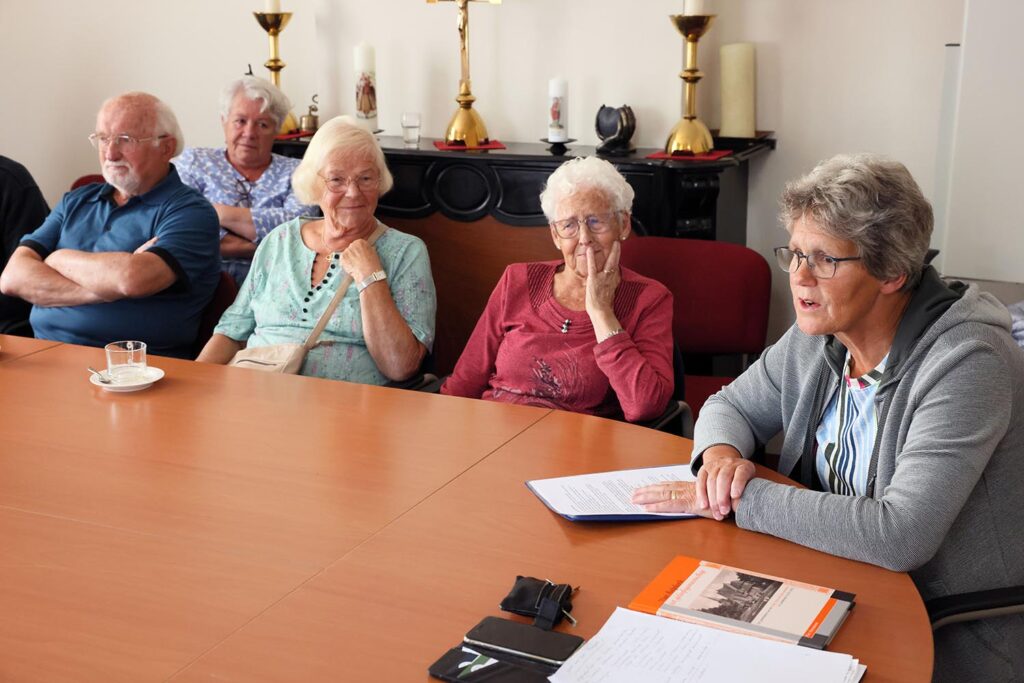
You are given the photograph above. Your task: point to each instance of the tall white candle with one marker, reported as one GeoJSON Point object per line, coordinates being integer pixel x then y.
{"type": "Point", "coordinates": [366, 84]}
{"type": "Point", "coordinates": [738, 90]}
{"type": "Point", "coordinates": [558, 110]}
{"type": "Point", "coordinates": [272, 6]}
{"type": "Point", "coordinates": [692, 7]}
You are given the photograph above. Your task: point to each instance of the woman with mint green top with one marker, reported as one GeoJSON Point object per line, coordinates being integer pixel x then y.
{"type": "Point", "coordinates": [384, 325]}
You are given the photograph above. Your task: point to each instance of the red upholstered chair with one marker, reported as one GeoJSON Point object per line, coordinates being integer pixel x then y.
{"type": "Point", "coordinates": [86, 180]}
{"type": "Point", "coordinates": [223, 297]}
{"type": "Point", "coordinates": [721, 295]}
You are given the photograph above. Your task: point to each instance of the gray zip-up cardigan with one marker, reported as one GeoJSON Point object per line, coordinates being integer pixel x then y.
{"type": "Point", "coordinates": [947, 471]}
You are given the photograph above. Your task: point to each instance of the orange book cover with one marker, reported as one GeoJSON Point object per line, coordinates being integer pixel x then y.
{"type": "Point", "coordinates": [743, 601]}
{"type": "Point", "coordinates": [664, 584]}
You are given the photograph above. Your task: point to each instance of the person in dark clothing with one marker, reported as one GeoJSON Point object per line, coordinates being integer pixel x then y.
{"type": "Point", "coordinates": [22, 210]}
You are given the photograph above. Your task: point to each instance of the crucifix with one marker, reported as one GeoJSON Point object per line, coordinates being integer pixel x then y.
{"type": "Point", "coordinates": [466, 127]}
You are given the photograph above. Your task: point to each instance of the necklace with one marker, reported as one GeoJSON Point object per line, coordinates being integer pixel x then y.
{"type": "Point", "coordinates": [565, 326]}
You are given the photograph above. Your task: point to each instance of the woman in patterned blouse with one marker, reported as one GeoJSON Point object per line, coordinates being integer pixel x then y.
{"type": "Point", "coordinates": [248, 185]}
{"type": "Point", "coordinates": [384, 325]}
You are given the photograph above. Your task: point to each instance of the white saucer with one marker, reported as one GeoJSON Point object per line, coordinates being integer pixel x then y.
{"type": "Point", "coordinates": [152, 375]}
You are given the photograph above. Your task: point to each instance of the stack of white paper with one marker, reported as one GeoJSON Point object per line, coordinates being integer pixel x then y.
{"type": "Point", "coordinates": [605, 496]}
{"type": "Point", "coordinates": [633, 646]}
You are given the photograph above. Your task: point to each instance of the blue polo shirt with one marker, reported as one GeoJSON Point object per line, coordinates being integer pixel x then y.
{"type": "Point", "coordinates": [188, 240]}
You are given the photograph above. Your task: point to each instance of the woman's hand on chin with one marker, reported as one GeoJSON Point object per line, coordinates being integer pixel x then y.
{"type": "Point", "coordinates": [360, 259]}
{"type": "Point", "coordinates": [601, 284]}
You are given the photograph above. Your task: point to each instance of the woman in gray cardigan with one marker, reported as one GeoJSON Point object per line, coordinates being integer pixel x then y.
{"type": "Point", "coordinates": [901, 401]}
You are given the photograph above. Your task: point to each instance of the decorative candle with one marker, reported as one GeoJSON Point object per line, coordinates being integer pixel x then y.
{"type": "Point", "coordinates": [558, 110]}
{"type": "Point", "coordinates": [272, 7]}
{"type": "Point", "coordinates": [738, 92]}
{"type": "Point", "coordinates": [366, 84]}
{"type": "Point", "coordinates": [696, 7]}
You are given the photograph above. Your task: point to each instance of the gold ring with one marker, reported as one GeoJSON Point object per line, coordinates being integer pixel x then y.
{"type": "Point", "coordinates": [672, 495]}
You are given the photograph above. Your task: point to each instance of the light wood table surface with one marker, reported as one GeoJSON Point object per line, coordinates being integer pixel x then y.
{"type": "Point", "coordinates": [12, 347]}
{"type": "Point", "coordinates": [234, 525]}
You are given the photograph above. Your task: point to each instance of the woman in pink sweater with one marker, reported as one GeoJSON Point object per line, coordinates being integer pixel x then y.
{"type": "Point", "coordinates": [582, 333]}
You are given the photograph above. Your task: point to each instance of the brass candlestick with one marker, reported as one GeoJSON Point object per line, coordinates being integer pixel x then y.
{"type": "Point", "coordinates": [690, 135]}
{"type": "Point", "coordinates": [273, 23]}
{"type": "Point", "coordinates": [466, 127]}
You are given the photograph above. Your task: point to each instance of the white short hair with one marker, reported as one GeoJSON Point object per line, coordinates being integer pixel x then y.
{"type": "Point", "coordinates": [275, 102]}
{"type": "Point", "coordinates": [165, 122]}
{"type": "Point", "coordinates": [585, 173]}
{"type": "Point", "coordinates": [340, 134]}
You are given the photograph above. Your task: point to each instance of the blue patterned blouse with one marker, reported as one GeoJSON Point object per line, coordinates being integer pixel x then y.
{"type": "Point", "coordinates": [270, 197]}
{"type": "Point", "coordinates": [276, 305]}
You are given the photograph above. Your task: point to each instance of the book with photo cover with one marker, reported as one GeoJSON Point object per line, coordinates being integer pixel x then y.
{"type": "Point", "coordinates": [742, 601]}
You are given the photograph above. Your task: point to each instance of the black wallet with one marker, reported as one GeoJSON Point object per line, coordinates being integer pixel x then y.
{"type": "Point", "coordinates": [541, 599]}
{"type": "Point", "coordinates": [465, 665]}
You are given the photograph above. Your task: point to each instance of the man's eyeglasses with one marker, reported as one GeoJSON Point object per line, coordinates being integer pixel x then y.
{"type": "Point", "coordinates": [123, 141]}
{"type": "Point", "coordinates": [822, 266]}
{"type": "Point", "coordinates": [568, 228]}
{"type": "Point", "coordinates": [365, 182]}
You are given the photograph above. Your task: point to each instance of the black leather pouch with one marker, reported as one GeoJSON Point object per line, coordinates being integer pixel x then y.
{"type": "Point", "coordinates": [541, 599]}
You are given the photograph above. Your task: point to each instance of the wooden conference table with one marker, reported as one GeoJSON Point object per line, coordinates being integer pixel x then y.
{"type": "Point", "coordinates": [235, 526]}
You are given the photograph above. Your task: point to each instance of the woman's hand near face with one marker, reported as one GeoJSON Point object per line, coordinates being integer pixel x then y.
{"type": "Point", "coordinates": [670, 496]}
{"type": "Point", "coordinates": [360, 259]}
{"type": "Point", "coordinates": [721, 480]}
{"type": "Point", "coordinates": [600, 294]}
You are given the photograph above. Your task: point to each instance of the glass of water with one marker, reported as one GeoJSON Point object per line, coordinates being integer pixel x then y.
{"type": "Point", "coordinates": [126, 361]}
{"type": "Point", "coordinates": [411, 128]}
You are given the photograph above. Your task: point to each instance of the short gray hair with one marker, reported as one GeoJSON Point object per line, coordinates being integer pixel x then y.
{"type": "Point", "coordinates": [340, 134]}
{"type": "Point", "coordinates": [275, 102]}
{"type": "Point", "coordinates": [585, 173]}
{"type": "Point", "coordinates": [871, 201]}
{"type": "Point", "coordinates": [165, 123]}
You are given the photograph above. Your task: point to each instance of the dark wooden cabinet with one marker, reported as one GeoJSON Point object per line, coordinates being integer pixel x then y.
{"type": "Point", "coordinates": [674, 198]}
{"type": "Point", "coordinates": [479, 211]}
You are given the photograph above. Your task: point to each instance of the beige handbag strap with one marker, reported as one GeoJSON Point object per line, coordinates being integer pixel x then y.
{"type": "Point", "coordinates": [314, 336]}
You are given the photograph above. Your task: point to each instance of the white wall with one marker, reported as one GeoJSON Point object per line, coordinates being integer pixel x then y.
{"type": "Point", "coordinates": [987, 146]}
{"type": "Point", "coordinates": [834, 76]}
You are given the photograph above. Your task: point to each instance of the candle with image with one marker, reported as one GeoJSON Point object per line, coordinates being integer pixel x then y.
{"type": "Point", "coordinates": [558, 110]}
{"type": "Point", "coordinates": [366, 85]}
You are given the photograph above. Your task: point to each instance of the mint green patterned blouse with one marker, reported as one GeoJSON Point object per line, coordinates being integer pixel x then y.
{"type": "Point", "coordinates": [277, 305]}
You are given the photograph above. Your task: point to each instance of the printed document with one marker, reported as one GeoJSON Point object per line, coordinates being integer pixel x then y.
{"type": "Point", "coordinates": [606, 495]}
{"type": "Point", "coordinates": [633, 646]}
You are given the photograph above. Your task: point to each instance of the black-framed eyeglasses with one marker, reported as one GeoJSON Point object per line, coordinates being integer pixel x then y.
{"type": "Point", "coordinates": [364, 181]}
{"type": "Point", "coordinates": [822, 266]}
{"type": "Point", "coordinates": [123, 140]}
{"type": "Point", "coordinates": [597, 223]}
{"type": "Point", "coordinates": [244, 188]}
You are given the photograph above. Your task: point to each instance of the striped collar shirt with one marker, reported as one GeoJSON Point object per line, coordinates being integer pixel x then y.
{"type": "Point", "coordinates": [846, 433]}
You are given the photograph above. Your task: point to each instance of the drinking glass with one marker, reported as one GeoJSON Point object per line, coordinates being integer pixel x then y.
{"type": "Point", "coordinates": [411, 128]}
{"type": "Point", "coordinates": [126, 361]}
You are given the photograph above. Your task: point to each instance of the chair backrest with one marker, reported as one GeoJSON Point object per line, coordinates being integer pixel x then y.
{"type": "Point", "coordinates": [87, 180]}
{"type": "Point", "coordinates": [721, 291]}
{"type": "Point", "coordinates": [721, 295]}
{"type": "Point", "coordinates": [223, 297]}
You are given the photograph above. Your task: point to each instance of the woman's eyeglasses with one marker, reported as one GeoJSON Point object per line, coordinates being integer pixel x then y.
{"type": "Point", "coordinates": [364, 181]}
{"type": "Point", "coordinates": [821, 265]}
{"type": "Point", "coordinates": [244, 188]}
{"type": "Point", "coordinates": [596, 224]}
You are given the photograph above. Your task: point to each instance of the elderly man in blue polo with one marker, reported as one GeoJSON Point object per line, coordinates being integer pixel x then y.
{"type": "Point", "coordinates": [136, 257]}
